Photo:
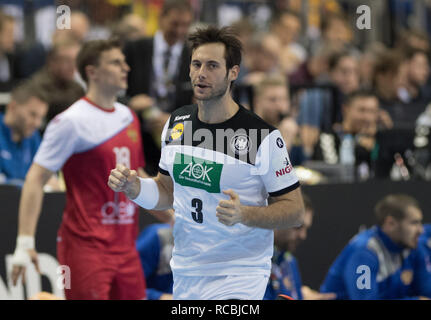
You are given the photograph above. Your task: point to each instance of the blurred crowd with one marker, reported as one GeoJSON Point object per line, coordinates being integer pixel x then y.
{"type": "Point", "coordinates": [351, 104]}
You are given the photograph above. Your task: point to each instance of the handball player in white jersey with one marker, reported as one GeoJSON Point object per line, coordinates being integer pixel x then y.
{"type": "Point", "coordinates": [219, 187]}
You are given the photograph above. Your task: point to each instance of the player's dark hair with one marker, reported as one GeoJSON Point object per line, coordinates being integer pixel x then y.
{"type": "Point", "coordinates": [394, 205]}
{"type": "Point", "coordinates": [226, 35]}
{"type": "Point", "coordinates": [90, 54]}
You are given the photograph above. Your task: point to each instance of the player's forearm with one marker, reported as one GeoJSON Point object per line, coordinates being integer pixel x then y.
{"type": "Point", "coordinates": [151, 194]}
{"type": "Point", "coordinates": [30, 205]}
{"type": "Point", "coordinates": [280, 214]}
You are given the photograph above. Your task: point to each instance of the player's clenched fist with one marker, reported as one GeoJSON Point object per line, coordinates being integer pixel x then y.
{"type": "Point", "coordinates": [122, 179]}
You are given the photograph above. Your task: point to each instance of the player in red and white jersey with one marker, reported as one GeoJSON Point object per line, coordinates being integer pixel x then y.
{"type": "Point", "coordinates": [96, 239]}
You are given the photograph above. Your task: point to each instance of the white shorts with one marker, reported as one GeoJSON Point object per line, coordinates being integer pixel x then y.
{"type": "Point", "coordinates": [220, 287]}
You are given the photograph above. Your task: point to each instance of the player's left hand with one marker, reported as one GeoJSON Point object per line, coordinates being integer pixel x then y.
{"type": "Point", "coordinates": [229, 212]}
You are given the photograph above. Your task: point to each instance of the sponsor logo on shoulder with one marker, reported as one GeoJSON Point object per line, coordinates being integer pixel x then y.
{"type": "Point", "coordinates": [179, 118]}
{"type": "Point", "coordinates": [287, 169]}
{"type": "Point", "coordinates": [177, 131]}
{"type": "Point", "coordinates": [279, 142]}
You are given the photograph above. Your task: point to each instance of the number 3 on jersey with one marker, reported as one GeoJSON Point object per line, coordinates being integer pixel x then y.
{"type": "Point", "coordinates": [198, 215]}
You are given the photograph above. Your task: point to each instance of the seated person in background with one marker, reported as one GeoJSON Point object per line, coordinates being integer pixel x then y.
{"type": "Point", "coordinates": [422, 145]}
{"type": "Point", "coordinates": [285, 278]}
{"type": "Point", "coordinates": [286, 26]}
{"type": "Point", "coordinates": [424, 260]}
{"type": "Point", "coordinates": [353, 141]}
{"type": "Point", "coordinates": [416, 72]}
{"type": "Point", "coordinates": [320, 108]}
{"type": "Point", "coordinates": [19, 135]}
{"type": "Point", "coordinates": [381, 262]}
{"type": "Point", "coordinates": [8, 61]}
{"type": "Point", "coordinates": [272, 104]}
{"type": "Point", "coordinates": [390, 74]}
{"type": "Point", "coordinates": [155, 244]}
{"type": "Point", "coordinates": [58, 76]}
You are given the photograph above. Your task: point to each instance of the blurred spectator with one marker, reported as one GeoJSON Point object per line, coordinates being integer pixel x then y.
{"type": "Point", "coordinates": [261, 58]}
{"type": "Point", "coordinates": [159, 65]}
{"type": "Point", "coordinates": [159, 76]}
{"type": "Point", "coordinates": [80, 25]}
{"type": "Point", "coordinates": [336, 32]}
{"type": "Point", "coordinates": [131, 27]}
{"type": "Point", "coordinates": [367, 63]}
{"type": "Point", "coordinates": [320, 108]}
{"type": "Point", "coordinates": [424, 260]}
{"type": "Point", "coordinates": [286, 26]}
{"type": "Point", "coordinates": [392, 72]}
{"type": "Point", "coordinates": [19, 135]}
{"type": "Point", "coordinates": [58, 77]}
{"type": "Point", "coordinates": [417, 71]}
{"type": "Point", "coordinates": [315, 69]}
{"type": "Point", "coordinates": [155, 244]}
{"type": "Point", "coordinates": [380, 262]}
{"type": "Point", "coordinates": [8, 63]}
{"type": "Point", "coordinates": [414, 38]}
{"type": "Point", "coordinates": [285, 276]}
{"type": "Point", "coordinates": [422, 144]}
{"type": "Point", "coordinates": [354, 140]}
{"type": "Point", "coordinates": [271, 103]}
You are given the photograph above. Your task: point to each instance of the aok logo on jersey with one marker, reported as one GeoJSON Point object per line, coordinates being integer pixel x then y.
{"type": "Point", "coordinates": [198, 173]}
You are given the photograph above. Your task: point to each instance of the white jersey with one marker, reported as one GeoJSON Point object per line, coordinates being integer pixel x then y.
{"type": "Point", "coordinates": [243, 154]}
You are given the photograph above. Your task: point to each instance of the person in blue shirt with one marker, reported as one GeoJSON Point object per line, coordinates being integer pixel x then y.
{"type": "Point", "coordinates": [424, 261]}
{"type": "Point", "coordinates": [382, 262]}
{"type": "Point", "coordinates": [19, 135]}
{"type": "Point", "coordinates": [155, 244]}
{"type": "Point", "coordinates": [285, 279]}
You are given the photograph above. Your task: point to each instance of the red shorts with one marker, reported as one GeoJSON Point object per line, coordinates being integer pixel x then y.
{"type": "Point", "coordinates": [100, 275]}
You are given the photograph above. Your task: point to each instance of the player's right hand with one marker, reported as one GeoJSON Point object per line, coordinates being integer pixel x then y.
{"type": "Point", "coordinates": [20, 260]}
{"type": "Point", "coordinates": [122, 179]}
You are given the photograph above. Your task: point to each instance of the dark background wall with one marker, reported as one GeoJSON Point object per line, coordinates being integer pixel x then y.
{"type": "Point", "coordinates": [340, 211]}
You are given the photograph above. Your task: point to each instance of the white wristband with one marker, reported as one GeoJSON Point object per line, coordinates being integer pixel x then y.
{"type": "Point", "coordinates": [148, 196]}
{"type": "Point", "coordinates": [23, 244]}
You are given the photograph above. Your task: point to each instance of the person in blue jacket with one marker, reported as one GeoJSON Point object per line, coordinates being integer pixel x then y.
{"type": "Point", "coordinates": [285, 278]}
{"type": "Point", "coordinates": [382, 262]}
{"type": "Point", "coordinates": [155, 244]}
{"type": "Point", "coordinates": [424, 261]}
{"type": "Point", "coordinates": [19, 135]}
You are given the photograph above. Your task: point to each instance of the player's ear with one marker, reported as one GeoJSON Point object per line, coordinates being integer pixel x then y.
{"type": "Point", "coordinates": [233, 73]}
{"type": "Point", "coordinates": [90, 71]}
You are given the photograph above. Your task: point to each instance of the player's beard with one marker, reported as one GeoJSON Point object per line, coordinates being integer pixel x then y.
{"type": "Point", "coordinates": [217, 93]}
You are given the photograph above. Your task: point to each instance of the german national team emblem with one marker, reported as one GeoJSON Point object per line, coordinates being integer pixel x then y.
{"type": "Point", "coordinates": [407, 277]}
{"type": "Point", "coordinates": [177, 131]}
{"type": "Point", "coordinates": [279, 142]}
{"type": "Point", "coordinates": [240, 144]}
